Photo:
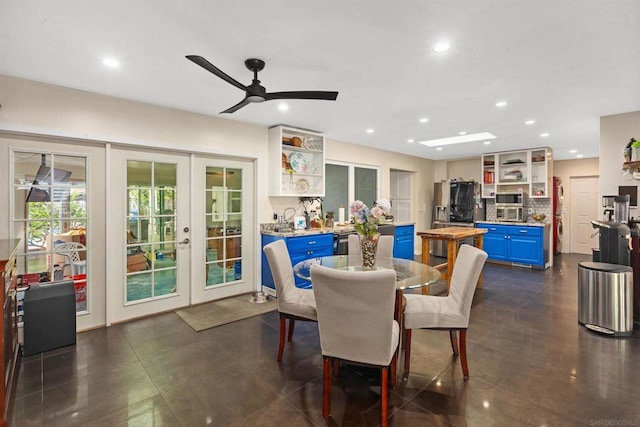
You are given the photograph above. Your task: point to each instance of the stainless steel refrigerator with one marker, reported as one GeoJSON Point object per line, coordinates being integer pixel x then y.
{"type": "Point", "coordinates": [456, 204]}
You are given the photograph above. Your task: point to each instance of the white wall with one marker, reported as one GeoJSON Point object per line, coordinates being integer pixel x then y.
{"type": "Point", "coordinates": [39, 108]}
{"type": "Point", "coordinates": [615, 132]}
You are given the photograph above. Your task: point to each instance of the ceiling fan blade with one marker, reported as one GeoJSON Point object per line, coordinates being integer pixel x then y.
{"type": "Point", "coordinates": [302, 94]}
{"type": "Point", "coordinates": [236, 107]}
{"type": "Point", "coordinates": [213, 69]}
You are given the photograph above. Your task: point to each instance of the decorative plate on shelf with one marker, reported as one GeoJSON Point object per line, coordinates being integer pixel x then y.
{"type": "Point", "coordinates": [297, 161]}
{"type": "Point", "coordinates": [302, 186]}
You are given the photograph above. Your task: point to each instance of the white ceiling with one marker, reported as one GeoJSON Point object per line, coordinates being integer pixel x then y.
{"type": "Point", "coordinates": [561, 63]}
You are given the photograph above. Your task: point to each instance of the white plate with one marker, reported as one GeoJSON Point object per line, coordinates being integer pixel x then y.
{"type": "Point", "coordinates": [302, 186]}
{"type": "Point", "coordinates": [297, 161]}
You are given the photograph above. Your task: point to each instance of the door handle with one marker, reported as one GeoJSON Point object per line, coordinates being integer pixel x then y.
{"type": "Point", "coordinates": [184, 242]}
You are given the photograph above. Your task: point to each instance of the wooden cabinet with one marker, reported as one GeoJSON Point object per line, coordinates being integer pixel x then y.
{"type": "Point", "coordinates": [403, 242]}
{"type": "Point", "coordinates": [518, 244]}
{"type": "Point", "coordinates": [9, 326]}
{"type": "Point", "coordinates": [300, 248]}
{"type": "Point", "coordinates": [296, 162]}
{"type": "Point", "coordinates": [526, 171]}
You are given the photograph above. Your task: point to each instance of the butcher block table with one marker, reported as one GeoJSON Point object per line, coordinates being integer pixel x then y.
{"type": "Point", "coordinates": [452, 235]}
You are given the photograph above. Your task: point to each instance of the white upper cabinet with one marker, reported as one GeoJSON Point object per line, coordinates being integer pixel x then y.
{"type": "Point", "coordinates": [296, 162]}
{"type": "Point", "coordinates": [526, 171]}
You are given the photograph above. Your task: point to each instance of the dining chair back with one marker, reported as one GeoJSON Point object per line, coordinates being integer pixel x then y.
{"type": "Point", "coordinates": [356, 324]}
{"type": "Point", "coordinates": [450, 312]}
{"type": "Point", "coordinates": [293, 303]}
{"type": "Point", "coordinates": [385, 246]}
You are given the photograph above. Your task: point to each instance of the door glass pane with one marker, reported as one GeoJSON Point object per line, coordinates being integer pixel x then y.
{"type": "Point", "coordinates": [151, 244]}
{"type": "Point", "coordinates": [366, 185]}
{"type": "Point", "coordinates": [223, 199]}
{"type": "Point", "coordinates": [50, 214]}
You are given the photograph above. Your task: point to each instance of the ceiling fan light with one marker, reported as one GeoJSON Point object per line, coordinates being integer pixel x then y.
{"type": "Point", "coordinates": [255, 98]}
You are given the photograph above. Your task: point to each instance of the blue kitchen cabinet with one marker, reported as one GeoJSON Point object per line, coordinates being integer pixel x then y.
{"type": "Point", "coordinates": [300, 248]}
{"type": "Point", "coordinates": [518, 244]}
{"type": "Point", "coordinates": [495, 241]}
{"type": "Point", "coordinates": [525, 245]}
{"type": "Point", "coordinates": [403, 242]}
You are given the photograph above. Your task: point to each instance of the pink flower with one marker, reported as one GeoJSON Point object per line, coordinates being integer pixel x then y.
{"type": "Point", "coordinates": [377, 212]}
{"type": "Point", "coordinates": [356, 207]}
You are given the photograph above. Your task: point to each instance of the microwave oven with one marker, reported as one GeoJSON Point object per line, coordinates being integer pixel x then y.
{"type": "Point", "coordinates": [509, 213]}
{"type": "Point", "coordinates": [510, 199]}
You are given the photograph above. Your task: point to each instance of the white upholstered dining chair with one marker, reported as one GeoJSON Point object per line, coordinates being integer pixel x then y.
{"type": "Point", "coordinates": [356, 324]}
{"type": "Point", "coordinates": [385, 246]}
{"type": "Point", "coordinates": [293, 303]}
{"type": "Point", "coordinates": [447, 313]}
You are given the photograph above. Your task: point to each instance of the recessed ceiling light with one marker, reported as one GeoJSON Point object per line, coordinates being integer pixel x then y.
{"type": "Point", "coordinates": [283, 107]}
{"type": "Point", "coordinates": [439, 148]}
{"type": "Point", "coordinates": [501, 104]}
{"type": "Point", "coordinates": [580, 156]}
{"type": "Point", "coordinates": [458, 139]}
{"type": "Point", "coordinates": [410, 140]}
{"type": "Point", "coordinates": [441, 47]}
{"type": "Point", "coordinates": [544, 135]}
{"type": "Point", "coordinates": [370, 130]}
{"type": "Point", "coordinates": [462, 133]}
{"type": "Point", "coordinates": [487, 142]}
{"type": "Point", "coordinates": [529, 122]}
{"type": "Point", "coordinates": [111, 62]}
{"type": "Point", "coordinates": [424, 120]}
{"type": "Point", "coordinates": [573, 151]}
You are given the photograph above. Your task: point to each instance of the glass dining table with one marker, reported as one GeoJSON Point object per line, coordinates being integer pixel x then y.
{"type": "Point", "coordinates": [409, 274]}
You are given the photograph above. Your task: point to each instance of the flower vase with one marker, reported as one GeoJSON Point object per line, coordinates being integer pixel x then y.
{"type": "Point", "coordinates": [369, 246]}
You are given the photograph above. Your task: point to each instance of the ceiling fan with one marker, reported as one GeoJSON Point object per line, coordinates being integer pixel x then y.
{"type": "Point", "coordinates": [256, 92]}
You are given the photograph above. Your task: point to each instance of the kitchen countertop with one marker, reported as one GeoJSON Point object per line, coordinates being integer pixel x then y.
{"type": "Point", "coordinates": [532, 224]}
{"type": "Point", "coordinates": [337, 229]}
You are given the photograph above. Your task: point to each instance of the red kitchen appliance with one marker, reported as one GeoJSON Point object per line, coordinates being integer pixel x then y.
{"type": "Point", "coordinates": [558, 196]}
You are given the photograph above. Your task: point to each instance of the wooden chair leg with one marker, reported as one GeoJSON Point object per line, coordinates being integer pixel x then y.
{"type": "Point", "coordinates": [292, 324]}
{"type": "Point", "coordinates": [454, 342]}
{"type": "Point", "coordinates": [393, 368]}
{"type": "Point", "coordinates": [336, 368]}
{"type": "Point", "coordinates": [326, 386]}
{"type": "Point", "coordinates": [384, 396]}
{"type": "Point", "coordinates": [407, 352]}
{"type": "Point", "coordinates": [283, 327]}
{"type": "Point", "coordinates": [463, 353]}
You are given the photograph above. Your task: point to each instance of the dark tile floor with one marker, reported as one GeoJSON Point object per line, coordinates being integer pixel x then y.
{"type": "Point", "coordinates": [530, 364]}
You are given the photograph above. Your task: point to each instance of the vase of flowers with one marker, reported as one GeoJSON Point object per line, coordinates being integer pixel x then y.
{"type": "Point", "coordinates": [365, 221]}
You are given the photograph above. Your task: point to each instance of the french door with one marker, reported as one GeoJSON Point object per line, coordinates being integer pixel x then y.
{"type": "Point", "coordinates": [224, 221]}
{"type": "Point", "coordinates": [182, 230]}
{"type": "Point", "coordinates": [149, 233]}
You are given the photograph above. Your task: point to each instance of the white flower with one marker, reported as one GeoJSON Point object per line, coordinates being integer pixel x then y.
{"type": "Point", "coordinates": [384, 204]}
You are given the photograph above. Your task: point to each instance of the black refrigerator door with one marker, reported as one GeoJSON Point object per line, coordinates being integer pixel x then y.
{"type": "Point", "coordinates": [462, 201]}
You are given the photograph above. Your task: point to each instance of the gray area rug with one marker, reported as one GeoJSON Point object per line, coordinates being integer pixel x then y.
{"type": "Point", "coordinates": [220, 312]}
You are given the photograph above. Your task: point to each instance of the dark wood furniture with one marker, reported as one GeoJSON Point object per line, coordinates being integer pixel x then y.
{"type": "Point", "coordinates": [9, 323]}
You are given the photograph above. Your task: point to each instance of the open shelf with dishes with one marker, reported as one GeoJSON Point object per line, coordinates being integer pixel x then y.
{"type": "Point", "coordinates": [296, 162]}
{"type": "Point", "coordinates": [527, 171]}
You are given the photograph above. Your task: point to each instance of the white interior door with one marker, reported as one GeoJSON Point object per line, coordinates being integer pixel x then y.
{"type": "Point", "coordinates": [224, 228]}
{"type": "Point", "coordinates": [401, 195]}
{"type": "Point", "coordinates": [584, 209]}
{"type": "Point", "coordinates": [149, 233]}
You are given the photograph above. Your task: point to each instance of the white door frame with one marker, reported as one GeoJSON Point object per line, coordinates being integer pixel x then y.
{"type": "Point", "coordinates": [247, 282]}
{"type": "Point", "coordinates": [117, 308]}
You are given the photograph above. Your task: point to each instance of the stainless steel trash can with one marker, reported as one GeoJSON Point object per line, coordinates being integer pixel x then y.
{"type": "Point", "coordinates": [605, 297]}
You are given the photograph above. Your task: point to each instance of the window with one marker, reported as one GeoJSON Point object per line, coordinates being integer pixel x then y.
{"type": "Point", "coordinates": [347, 182]}
{"type": "Point", "coordinates": [50, 214]}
